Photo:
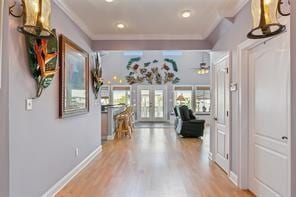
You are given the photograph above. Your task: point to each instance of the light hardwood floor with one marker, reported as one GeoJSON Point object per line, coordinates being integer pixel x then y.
{"type": "Point", "coordinates": [154, 163]}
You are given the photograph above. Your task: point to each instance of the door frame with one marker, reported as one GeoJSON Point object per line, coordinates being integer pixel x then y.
{"type": "Point", "coordinates": [152, 89]}
{"type": "Point", "coordinates": [213, 111]}
{"type": "Point", "coordinates": [243, 115]}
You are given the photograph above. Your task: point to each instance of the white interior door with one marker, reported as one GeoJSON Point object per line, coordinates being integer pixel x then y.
{"type": "Point", "coordinates": [152, 105]}
{"type": "Point", "coordinates": [269, 118]}
{"type": "Point", "coordinates": [222, 113]}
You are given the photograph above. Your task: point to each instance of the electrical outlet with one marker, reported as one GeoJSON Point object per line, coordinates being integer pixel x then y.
{"type": "Point", "coordinates": [76, 152]}
{"type": "Point", "coordinates": [29, 104]}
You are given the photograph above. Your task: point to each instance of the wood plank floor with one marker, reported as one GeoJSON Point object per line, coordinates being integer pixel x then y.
{"type": "Point", "coordinates": [154, 163]}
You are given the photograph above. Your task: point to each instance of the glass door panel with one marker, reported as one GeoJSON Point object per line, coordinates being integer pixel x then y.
{"type": "Point", "coordinates": [151, 104]}
{"type": "Point", "coordinates": [159, 103]}
{"type": "Point", "coordinates": [145, 103]}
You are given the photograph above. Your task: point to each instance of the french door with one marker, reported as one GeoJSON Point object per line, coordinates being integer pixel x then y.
{"type": "Point", "coordinates": [151, 103]}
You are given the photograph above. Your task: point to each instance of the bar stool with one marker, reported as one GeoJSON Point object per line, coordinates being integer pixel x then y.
{"type": "Point", "coordinates": [123, 125]}
{"type": "Point", "coordinates": [131, 114]}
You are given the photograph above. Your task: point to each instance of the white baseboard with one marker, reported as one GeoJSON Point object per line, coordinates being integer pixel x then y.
{"type": "Point", "coordinates": [66, 179]}
{"type": "Point", "coordinates": [210, 156]}
{"type": "Point", "coordinates": [111, 137]}
{"type": "Point", "coordinates": [233, 178]}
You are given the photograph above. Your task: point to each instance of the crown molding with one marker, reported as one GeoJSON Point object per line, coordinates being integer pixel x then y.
{"type": "Point", "coordinates": [93, 36]}
{"type": "Point", "coordinates": [74, 18]}
{"type": "Point", "coordinates": [233, 12]}
{"type": "Point", "coordinates": [146, 37]}
{"type": "Point", "coordinates": [212, 27]}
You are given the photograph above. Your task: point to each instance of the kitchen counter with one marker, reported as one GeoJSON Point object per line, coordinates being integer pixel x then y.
{"type": "Point", "coordinates": [109, 112]}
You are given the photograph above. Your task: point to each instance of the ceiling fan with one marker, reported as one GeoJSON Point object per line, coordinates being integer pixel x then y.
{"type": "Point", "coordinates": [204, 68]}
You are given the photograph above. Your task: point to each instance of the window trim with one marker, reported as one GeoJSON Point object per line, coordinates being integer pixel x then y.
{"type": "Point", "coordinates": [192, 94]}
{"type": "Point", "coordinates": [124, 86]}
{"type": "Point", "coordinates": [195, 89]}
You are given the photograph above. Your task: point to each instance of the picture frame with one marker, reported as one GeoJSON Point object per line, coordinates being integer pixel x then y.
{"type": "Point", "coordinates": [74, 79]}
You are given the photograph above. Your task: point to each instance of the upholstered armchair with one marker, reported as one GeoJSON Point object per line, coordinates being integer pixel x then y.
{"type": "Point", "coordinates": [186, 124]}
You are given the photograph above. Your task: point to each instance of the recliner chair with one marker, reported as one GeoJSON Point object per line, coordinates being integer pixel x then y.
{"type": "Point", "coordinates": [186, 124]}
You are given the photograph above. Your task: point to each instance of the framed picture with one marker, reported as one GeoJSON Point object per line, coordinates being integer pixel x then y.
{"type": "Point", "coordinates": [1, 36]}
{"type": "Point", "coordinates": [74, 79]}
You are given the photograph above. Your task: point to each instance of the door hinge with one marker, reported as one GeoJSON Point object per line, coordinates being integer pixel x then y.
{"type": "Point", "coordinates": [227, 113]}
{"type": "Point", "coordinates": [227, 70]}
{"type": "Point", "coordinates": [227, 156]}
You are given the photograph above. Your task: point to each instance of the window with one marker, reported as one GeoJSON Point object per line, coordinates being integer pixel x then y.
{"type": "Point", "coordinates": [183, 95]}
{"type": "Point", "coordinates": [105, 95]}
{"type": "Point", "coordinates": [121, 95]}
{"type": "Point", "coordinates": [203, 99]}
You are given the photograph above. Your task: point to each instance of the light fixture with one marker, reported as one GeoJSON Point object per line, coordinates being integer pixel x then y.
{"type": "Point", "coordinates": [114, 77]}
{"type": "Point", "coordinates": [108, 82]}
{"type": "Point", "coordinates": [181, 99]}
{"type": "Point", "coordinates": [203, 67]}
{"type": "Point", "coordinates": [265, 20]}
{"type": "Point", "coordinates": [37, 14]}
{"type": "Point", "coordinates": [186, 14]}
{"type": "Point", "coordinates": [120, 26]}
{"type": "Point", "coordinates": [109, 1]}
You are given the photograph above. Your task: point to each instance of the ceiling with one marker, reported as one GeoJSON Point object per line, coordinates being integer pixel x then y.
{"type": "Point", "coordinates": [149, 19]}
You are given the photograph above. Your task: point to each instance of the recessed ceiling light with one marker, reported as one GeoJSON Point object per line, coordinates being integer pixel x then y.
{"type": "Point", "coordinates": [186, 14]}
{"type": "Point", "coordinates": [120, 26]}
{"type": "Point", "coordinates": [109, 1]}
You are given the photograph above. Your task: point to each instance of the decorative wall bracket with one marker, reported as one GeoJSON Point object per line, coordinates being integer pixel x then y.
{"type": "Point", "coordinates": [12, 10]}
{"type": "Point", "coordinates": [42, 57]}
{"type": "Point", "coordinates": [96, 74]}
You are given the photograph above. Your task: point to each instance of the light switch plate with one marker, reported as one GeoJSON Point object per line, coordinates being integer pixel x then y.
{"type": "Point", "coordinates": [29, 104]}
{"type": "Point", "coordinates": [233, 87]}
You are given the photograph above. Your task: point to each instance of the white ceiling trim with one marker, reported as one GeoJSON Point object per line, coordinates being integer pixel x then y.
{"type": "Point", "coordinates": [237, 8]}
{"type": "Point", "coordinates": [146, 37]}
{"type": "Point", "coordinates": [93, 36]}
{"type": "Point", "coordinates": [74, 18]}
{"type": "Point", "coordinates": [220, 17]}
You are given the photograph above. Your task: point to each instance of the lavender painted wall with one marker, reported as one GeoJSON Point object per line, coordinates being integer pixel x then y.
{"type": "Point", "coordinates": [151, 45]}
{"type": "Point", "coordinates": [4, 114]}
{"type": "Point", "coordinates": [114, 63]}
{"type": "Point", "coordinates": [293, 93]}
{"type": "Point", "coordinates": [226, 37]}
{"type": "Point", "coordinates": [42, 146]}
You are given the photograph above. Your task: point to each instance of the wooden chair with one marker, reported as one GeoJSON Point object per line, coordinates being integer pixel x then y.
{"type": "Point", "coordinates": [131, 113]}
{"type": "Point", "coordinates": [123, 125]}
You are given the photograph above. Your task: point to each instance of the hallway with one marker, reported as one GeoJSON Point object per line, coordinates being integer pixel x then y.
{"type": "Point", "coordinates": [155, 163]}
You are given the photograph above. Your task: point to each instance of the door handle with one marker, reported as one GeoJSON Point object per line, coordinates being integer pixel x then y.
{"type": "Point", "coordinates": [215, 118]}
{"type": "Point", "coordinates": [284, 138]}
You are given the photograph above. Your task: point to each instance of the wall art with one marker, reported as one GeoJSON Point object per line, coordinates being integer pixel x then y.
{"type": "Point", "coordinates": [42, 53]}
{"type": "Point", "coordinates": [97, 80]}
{"type": "Point", "coordinates": [74, 79]}
{"type": "Point", "coordinates": [154, 72]}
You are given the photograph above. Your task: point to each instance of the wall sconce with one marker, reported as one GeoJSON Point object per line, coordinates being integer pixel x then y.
{"type": "Point", "coordinates": [265, 19]}
{"type": "Point", "coordinates": [97, 76]}
{"type": "Point", "coordinates": [41, 40]}
{"type": "Point", "coordinates": [37, 14]}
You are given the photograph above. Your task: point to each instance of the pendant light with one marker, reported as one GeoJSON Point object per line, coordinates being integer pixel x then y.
{"type": "Point", "coordinates": [265, 21]}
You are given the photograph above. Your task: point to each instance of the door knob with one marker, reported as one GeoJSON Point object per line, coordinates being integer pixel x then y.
{"type": "Point", "coordinates": [284, 138]}
{"type": "Point", "coordinates": [215, 118]}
